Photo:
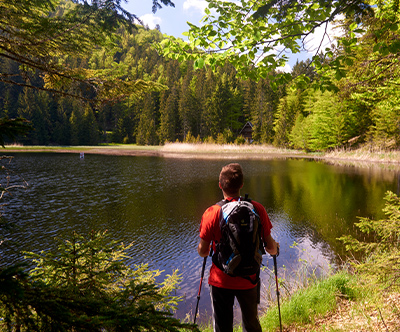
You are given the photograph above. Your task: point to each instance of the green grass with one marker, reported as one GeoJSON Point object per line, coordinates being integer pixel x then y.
{"type": "Point", "coordinates": [307, 304]}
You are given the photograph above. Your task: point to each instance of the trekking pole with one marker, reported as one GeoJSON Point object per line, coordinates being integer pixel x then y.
{"type": "Point", "coordinates": [277, 290]}
{"type": "Point", "coordinates": [201, 282]}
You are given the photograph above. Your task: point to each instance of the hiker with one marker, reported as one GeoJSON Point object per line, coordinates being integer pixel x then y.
{"type": "Point", "coordinates": [225, 287]}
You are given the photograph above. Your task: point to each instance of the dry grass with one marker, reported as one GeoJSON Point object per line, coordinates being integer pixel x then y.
{"type": "Point", "coordinates": [216, 148]}
{"type": "Point", "coordinates": [363, 154]}
{"type": "Point", "coordinates": [216, 151]}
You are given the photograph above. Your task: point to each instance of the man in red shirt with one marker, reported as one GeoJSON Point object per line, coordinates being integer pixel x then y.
{"type": "Point", "coordinates": [225, 288]}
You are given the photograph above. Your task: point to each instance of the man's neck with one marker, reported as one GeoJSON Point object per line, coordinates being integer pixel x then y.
{"type": "Point", "coordinates": [226, 196]}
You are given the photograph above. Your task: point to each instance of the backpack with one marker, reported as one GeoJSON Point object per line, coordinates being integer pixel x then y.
{"type": "Point", "coordinates": [239, 252]}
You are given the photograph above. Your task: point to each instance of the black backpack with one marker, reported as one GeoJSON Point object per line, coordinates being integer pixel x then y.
{"type": "Point", "coordinates": [239, 253]}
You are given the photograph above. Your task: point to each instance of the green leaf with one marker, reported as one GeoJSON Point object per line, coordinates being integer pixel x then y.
{"type": "Point", "coordinates": [353, 26]}
{"type": "Point", "coordinates": [340, 74]}
{"type": "Point", "coordinates": [384, 51]}
{"type": "Point", "coordinates": [199, 63]}
{"type": "Point", "coordinates": [395, 46]}
{"type": "Point", "coordinates": [349, 62]}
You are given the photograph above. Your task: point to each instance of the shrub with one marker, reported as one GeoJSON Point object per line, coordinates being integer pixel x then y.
{"type": "Point", "coordinates": [209, 140]}
{"type": "Point", "coordinates": [382, 259]}
{"type": "Point", "coordinates": [87, 286]}
{"type": "Point", "coordinates": [240, 140]}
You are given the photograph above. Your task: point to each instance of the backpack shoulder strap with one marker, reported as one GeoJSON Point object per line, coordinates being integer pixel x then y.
{"type": "Point", "coordinates": [222, 203]}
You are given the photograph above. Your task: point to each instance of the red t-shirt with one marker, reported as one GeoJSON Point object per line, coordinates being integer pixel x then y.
{"type": "Point", "coordinates": [210, 231]}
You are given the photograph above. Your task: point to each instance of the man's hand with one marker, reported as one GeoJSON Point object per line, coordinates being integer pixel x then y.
{"type": "Point", "coordinates": [271, 246]}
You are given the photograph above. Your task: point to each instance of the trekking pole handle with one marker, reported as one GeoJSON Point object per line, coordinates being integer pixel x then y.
{"type": "Point", "coordinates": [204, 267]}
{"type": "Point", "coordinates": [276, 274]}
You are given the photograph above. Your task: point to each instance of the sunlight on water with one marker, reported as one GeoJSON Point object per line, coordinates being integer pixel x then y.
{"type": "Point", "coordinates": [157, 204]}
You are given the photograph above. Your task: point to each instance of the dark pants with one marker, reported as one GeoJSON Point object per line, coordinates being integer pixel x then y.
{"type": "Point", "coordinates": [222, 301]}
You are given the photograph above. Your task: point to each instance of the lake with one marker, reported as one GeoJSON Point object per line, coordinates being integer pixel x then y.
{"type": "Point", "coordinates": [158, 203]}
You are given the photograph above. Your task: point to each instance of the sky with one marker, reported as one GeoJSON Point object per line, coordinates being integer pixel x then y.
{"type": "Point", "coordinates": [173, 21]}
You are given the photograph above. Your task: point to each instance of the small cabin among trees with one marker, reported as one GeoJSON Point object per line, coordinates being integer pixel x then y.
{"type": "Point", "coordinates": [247, 132]}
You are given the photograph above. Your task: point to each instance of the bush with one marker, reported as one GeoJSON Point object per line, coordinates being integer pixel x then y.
{"type": "Point", "coordinates": [87, 286]}
{"type": "Point", "coordinates": [209, 140]}
{"type": "Point", "coordinates": [382, 255]}
{"type": "Point", "coordinates": [191, 139]}
{"type": "Point", "coordinates": [221, 139]}
{"type": "Point", "coordinates": [240, 140]}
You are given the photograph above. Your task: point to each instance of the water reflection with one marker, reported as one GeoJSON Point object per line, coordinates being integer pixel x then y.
{"type": "Point", "coordinates": [157, 204]}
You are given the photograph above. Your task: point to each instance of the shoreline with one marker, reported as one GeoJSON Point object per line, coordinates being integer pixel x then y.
{"type": "Point", "coordinates": [172, 150]}
{"type": "Point", "coordinates": [227, 151]}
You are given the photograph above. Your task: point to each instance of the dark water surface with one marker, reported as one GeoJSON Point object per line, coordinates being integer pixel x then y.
{"type": "Point", "coordinates": [158, 203]}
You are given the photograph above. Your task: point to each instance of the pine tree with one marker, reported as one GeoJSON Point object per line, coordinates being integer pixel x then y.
{"type": "Point", "coordinates": [87, 285]}
{"type": "Point", "coordinates": [90, 129]}
{"type": "Point", "coordinates": [289, 108]}
{"type": "Point", "coordinates": [76, 122]}
{"type": "Point", "coordinates": [264, 109]}
{"type": "Point", "coordinates": [168, 116]}
{"type": "Point", "coordinates": [146, 131]}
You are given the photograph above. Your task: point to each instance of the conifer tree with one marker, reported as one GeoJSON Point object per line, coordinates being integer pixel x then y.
{"type": "Point", "coordinates": [289, 108]}
{"type": "Point", "coordinates": [264, 109]}
{"type": "Point", "coordinates": [146, 131]}
{"type": "Point", "coordinates": [381, 263]}
{"type": "Point", "coordinates": [76, 122]}
{"type": "Point", "coordinates": [90, 129]}
{"type": "Point", "coordinates": [168, 116]}
{"type": "Point", "coordinates": [187, 105]}
{"type": "Point", "coordinates": [86, 285]}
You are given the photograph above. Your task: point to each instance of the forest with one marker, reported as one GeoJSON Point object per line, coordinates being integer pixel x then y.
{"type": "Point", "coordinates": [204, 105]}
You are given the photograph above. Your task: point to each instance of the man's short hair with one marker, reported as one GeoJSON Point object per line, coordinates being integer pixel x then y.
{"type": "Point", "coordinates": [231, 178]}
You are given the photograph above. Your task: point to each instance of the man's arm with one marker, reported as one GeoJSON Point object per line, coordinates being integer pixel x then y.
{"type": "Point", "coordinates": [270, 245]}
{"type": "Point", "coordinates": [203, 248]}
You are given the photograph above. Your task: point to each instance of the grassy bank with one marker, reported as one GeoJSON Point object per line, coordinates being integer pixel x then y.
{"type": "Point", "coordinates": [363, 298]}
{"type": "Point", "coordinates": [343, 302]}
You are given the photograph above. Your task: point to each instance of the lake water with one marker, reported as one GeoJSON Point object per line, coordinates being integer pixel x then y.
{"type": "Point", "coordinates": [158, 203]}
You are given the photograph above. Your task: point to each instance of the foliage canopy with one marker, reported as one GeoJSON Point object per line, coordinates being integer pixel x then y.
{"type": "Point", "coordinates": [43, 35]}
{"type": "Point", "coordinates": [256, 36]}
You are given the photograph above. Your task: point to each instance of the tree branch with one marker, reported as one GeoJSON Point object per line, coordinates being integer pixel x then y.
{"type": "Point", "coordinates": [65, 94]}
